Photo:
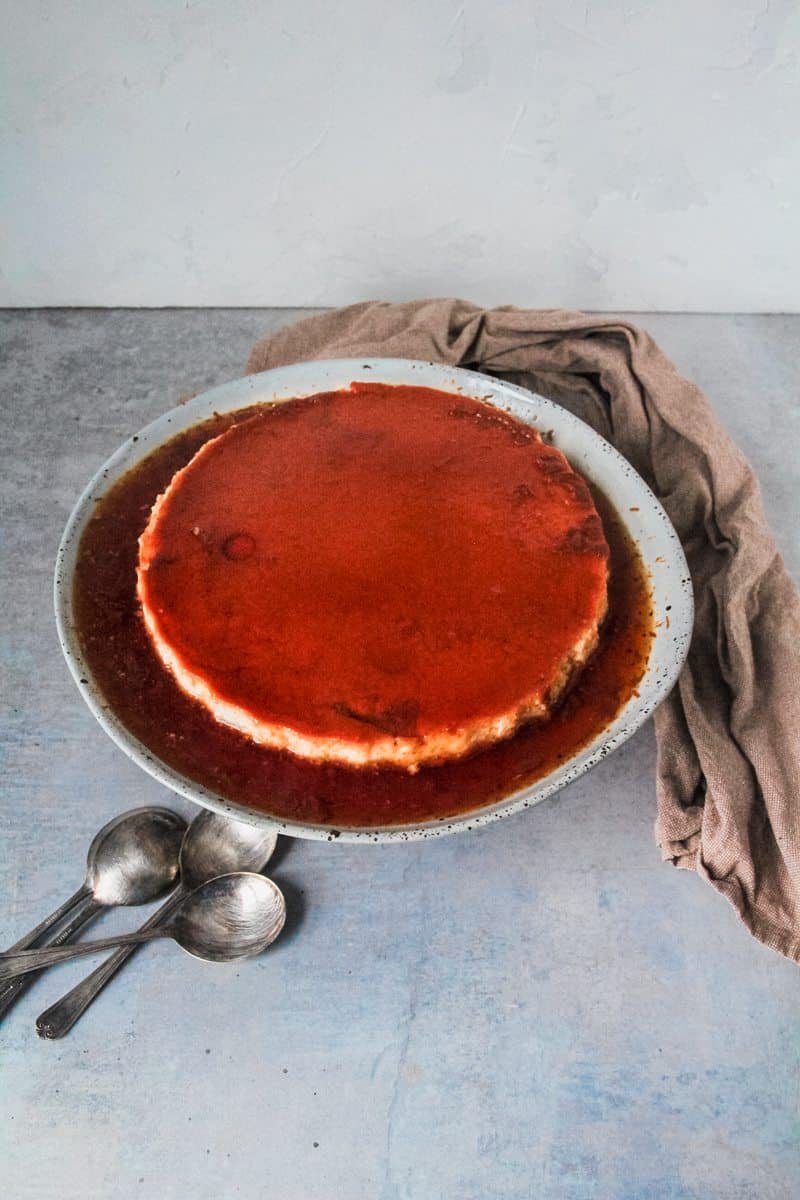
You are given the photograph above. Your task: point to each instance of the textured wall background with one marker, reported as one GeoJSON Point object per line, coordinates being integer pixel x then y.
{"type": "Point", "coordinates": [606, 154]}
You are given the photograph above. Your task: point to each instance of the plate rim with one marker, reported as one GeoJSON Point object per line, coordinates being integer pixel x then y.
{"type": "Point", "coordinates": [294, 380]}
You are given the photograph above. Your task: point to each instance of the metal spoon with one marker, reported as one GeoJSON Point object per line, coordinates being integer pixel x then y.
{"type": "Point", "coordinates": [230, 917]}
{"type": "Point", "coordinates": [131, 860]}
{"type": "Point", "coordinates": [212, 845]}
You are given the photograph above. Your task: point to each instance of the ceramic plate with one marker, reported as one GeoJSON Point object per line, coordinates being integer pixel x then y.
{"type": "Point", "coordinates": [595, 458]}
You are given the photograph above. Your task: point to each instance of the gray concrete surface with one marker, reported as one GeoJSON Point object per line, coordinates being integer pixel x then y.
{"type": "Point", "coordinates": [541, 1009]}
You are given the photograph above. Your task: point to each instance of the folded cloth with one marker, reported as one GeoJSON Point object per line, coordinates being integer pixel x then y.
{"type": "Point", "coordinates": [728, 767]}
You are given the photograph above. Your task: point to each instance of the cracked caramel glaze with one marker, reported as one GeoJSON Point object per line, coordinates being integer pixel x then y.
{"type": "Point", "coordinates": [383, 575]}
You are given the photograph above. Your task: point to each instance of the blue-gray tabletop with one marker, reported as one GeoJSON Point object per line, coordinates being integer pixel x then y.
{"type": "Point", "coordinates": [538, 1009]}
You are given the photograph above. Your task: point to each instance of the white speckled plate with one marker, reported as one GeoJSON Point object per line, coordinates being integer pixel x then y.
{"type": "Point", "coordinates": [590, 454]}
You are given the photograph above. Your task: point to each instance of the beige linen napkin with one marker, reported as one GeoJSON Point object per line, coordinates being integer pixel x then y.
{"type": "Point", "coordinates": [728, 777]}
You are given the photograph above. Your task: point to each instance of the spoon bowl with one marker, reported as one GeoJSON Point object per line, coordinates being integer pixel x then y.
{"type": "Point", "coordinates": [216, 845]}
{"type": "Point", "coordinates": [135, 859]}
{"type": "Point", "coordinates": [233, 916]}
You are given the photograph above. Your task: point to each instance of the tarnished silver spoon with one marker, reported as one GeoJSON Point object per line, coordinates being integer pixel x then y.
{"type": "Point", "coordinates": [230, 917]}
{"type": "Point", "coordinates": [131, 860]}
{"type": "Point", "coordinates": [212, 845]}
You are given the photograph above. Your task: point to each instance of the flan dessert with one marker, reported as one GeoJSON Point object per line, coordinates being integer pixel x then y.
{"type": "Point", "coordinates": [382, 575]}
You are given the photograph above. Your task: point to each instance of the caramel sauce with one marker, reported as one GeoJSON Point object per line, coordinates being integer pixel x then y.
{"type": "Point", "coordinates": [181, 733]}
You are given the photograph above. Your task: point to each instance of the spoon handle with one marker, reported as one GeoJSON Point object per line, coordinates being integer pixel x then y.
{"type": "Point", "coordinates": [86, 910]}
{"type": "Point", "coordinates": [59, 1018]}
{"type": "Point", "coordinates": [25, 961]}
{"type": "Point", "coordinates": [44, 927]}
